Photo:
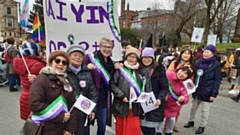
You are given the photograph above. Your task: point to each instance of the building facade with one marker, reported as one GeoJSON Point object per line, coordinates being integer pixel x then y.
{"type": "Point", "coordinates": [9, 19]}
{"type": "Point", "coordinates": [127, 15]}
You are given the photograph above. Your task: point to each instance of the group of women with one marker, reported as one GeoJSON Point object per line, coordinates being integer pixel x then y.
{"type": "Point", "coordinates": [72, 73]}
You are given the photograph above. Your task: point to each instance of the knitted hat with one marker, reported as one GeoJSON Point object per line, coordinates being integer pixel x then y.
{"type": "Point", "coordinates": [30, 49]}
{"type": "Point", "coordinates": [132, 50]}
{"type": "Point", "coordinates": [211, 48]}
{"type": "Point", "coordinates": [148, 52]}
{"type": "Point", "coordinates": [55, 54]}
{"type": "Point", "coordinates": [73, 48]}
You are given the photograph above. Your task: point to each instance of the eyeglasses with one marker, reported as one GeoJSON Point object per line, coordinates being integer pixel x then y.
{"type": "Point", "coordinates": [107, 47]}
{"type": "Point", "coordinates": [77, 56]}
{"type": "Point", "coordinates": [64, 62]}
{"type": "Point", "coordinates": [132, 57]}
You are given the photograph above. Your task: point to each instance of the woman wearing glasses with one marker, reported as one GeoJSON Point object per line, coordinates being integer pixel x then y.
{"type": "Point", "coordinates": [82, 83]}
{"type": "Point", "coordinates": [51, 97]}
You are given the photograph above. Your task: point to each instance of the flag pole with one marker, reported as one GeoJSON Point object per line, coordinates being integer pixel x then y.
{"type": "Point", "coordinates": [39, 38]}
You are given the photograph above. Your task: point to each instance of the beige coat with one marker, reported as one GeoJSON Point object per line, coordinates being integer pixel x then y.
{"type": "Point", "coordinates": [12, 52]}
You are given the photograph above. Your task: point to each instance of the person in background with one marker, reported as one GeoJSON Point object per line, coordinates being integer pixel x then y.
{"type": "Point", "coordinates": [82, 83]}
{"type": "Point", "coordinates": [52, 88]}
{"type": "Point", "coordinates": [125, 111]}
{"type": "Point", "coordinates": [156, 82]}
{"type": "Point", "coordinates": [207, 79]}
{"type": "Point", "coordinates": [230, 61]}
{"type": "Point", "coordinates": [224, 65]}
{"type": "Point", "coordinates": [198, 54]}
{"type": "Point", "coordinates": [235, 65]}
{"type": "Point", "coordinates": [12, 53]}
{"type": "Point", "coordinates": [30, 53]}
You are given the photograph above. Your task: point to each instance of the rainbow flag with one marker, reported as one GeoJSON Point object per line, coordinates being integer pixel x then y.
{"type": "Point", "coordinates": [38, 35]}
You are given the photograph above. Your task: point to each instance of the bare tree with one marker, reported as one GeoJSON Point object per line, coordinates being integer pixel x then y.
{"type": "Point", "coordinates": [224, 18]}
{"type": "Point", "coordinates": [185, 14]}
{"type": "Point", "coordinates": [213, 7]}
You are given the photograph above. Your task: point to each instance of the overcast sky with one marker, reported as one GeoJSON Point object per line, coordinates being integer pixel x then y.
{"type": "Point", "coordinates": [134, 4]}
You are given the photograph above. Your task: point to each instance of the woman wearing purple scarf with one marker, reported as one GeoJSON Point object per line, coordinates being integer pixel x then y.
{"type": "Point", "coordinates": [207, 80]}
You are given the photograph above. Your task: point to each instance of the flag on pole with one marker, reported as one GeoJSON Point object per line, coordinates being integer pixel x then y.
{"type": "Point", "coordinates": [24, 14]}
{"type": "Point", "coordinates": [38, 35]}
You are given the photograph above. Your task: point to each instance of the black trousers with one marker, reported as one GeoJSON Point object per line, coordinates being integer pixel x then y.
{"type": "Point", "coordinates": [148, 131]}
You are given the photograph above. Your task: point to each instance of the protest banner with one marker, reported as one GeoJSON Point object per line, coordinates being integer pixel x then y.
{"type": "Point", "coordinates": [149, 104]}
{"type": "Point", "coordinates": [84, 104]}
{"type": "Point", "coordinates": [81, 23]}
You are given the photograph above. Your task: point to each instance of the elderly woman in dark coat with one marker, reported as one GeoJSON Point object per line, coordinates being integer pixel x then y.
{"type": "Point", "coordinates": [82, 83]}
{"type": "Point", "coordinates": [51, 97]}
{"type": "Point", "coordinates": [208, 80]}
{"type": "Point", "coordinates": [156, 82]}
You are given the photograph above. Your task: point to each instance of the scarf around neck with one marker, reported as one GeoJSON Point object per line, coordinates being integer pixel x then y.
{"type": "Point", "coordinates": [205, 63]}
{"type": "Point", "coordinates": [145, 71]}
{"type": "Point", "coordinates": [61, 76]}
{"type": "Point", "coordinates": [131, 67]}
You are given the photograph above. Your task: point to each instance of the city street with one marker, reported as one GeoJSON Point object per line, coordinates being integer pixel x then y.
{"type": "Point", "coordinates": [223, 120]}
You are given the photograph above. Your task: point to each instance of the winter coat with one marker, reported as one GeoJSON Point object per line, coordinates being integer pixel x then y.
{"type": "Point", "coordinates": [34, 64]}
{"type": "Point", "coordinates": [172, 108]}
{"type": "Point", "coordinates": [210, 82]}
{"type": "Point", "coordinates": [44, 90]}
{"type": "Point", "coordinates": [160, 90]}
{"type": "Point", "coordinates": [96, 76]}
{"type": "Point", "coordinates": [12, 52]}
{"type": "Point", "coordinates": [82, 83]}
{"type": "Point", "coordinates": [237, 65]}
{"type": "Point", "coordinates": [120, 88]}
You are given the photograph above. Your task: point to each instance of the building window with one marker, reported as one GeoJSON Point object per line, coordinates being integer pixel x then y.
{"type": "Point", "coordinates": [9, 10]}
{"type": "Point", "coordinates": [10, 34]}
{"type": "Point", "coordinates": [124, 24]}
{"type": "Point", "coordinates": [9, 22]}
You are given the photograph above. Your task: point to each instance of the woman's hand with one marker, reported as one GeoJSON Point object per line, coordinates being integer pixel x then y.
{"type": "Point", "coordinates": [67, 133]}
{"type": "Point", "coordinates": [118, 65]}
{"type": "Point", "coordinates": [181, 99]}
{"type": "Point", "coordinates": [125, 100]}
{"type": "Point", "coordinates": [90, 66]}
{"type": "Point", "coordinates": [92, 116]}
{"type": "Point", "coordinates": [158, 102]}
{"type": "Point", "coordinates": [212, 99]}
{"type": "Point", "coordinates": [66, 117]}
{"type": "Point", "coordinates": [31, 78]}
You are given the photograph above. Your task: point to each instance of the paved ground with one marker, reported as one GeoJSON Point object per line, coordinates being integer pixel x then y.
{"type": "Point", "coordinates": [223, 120]}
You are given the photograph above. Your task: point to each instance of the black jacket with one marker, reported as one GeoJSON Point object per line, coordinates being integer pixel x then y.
{"type": "Point", "coordinates": [211, 80]}
{"type": "Point", "coordinates": [120, 88]}
{"type": "Point", "coordinates": [82, 83]}
{"type": "Point", "coordinates": [160, 90]}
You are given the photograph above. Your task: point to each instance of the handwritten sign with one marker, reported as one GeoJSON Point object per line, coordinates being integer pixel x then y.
{"type": "Point", "coordinates": [149, 104]}
{"type": "Point", "coordinates": [84, 104]}
{"type": "Point", "coordinates": [81, 23]}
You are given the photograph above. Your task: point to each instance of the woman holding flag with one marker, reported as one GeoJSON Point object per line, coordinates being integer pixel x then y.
{"type": "Point", "coordinates": [82, 83]}
{"type": "Point", "coordinates": [125, 86]}
{"type": "Point", "coordinates": [154, 81]}
{"type": "Point", "coordinates": [51, 97]}
{"type": "Point", "coordinates": [29, 52]}
{"type": "Point", "coordinates": [207, 79]}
